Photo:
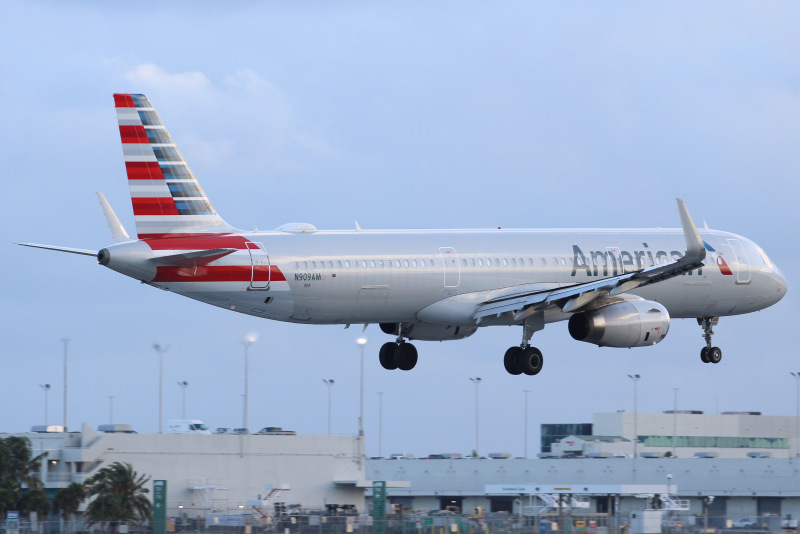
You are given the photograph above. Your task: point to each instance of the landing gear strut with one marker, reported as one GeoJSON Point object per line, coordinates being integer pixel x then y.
{"type": "Point", "coordinates": [398, 354]}
{"type": "Point", "coordinates": [709, 354]}
{"type": "Point", "coordinates": [525, 358]}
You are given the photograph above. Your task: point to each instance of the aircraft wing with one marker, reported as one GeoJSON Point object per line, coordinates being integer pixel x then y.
{"type": "Point", "coordinates": [572, 298]}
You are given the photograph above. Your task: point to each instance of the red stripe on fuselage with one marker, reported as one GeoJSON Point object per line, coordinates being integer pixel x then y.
{"type": "Point", "coordinates": [143, 170]}
{"type": "Point", "coordinates": [193, 241]}
{"type": "Point", "coordinates": [220, 273]}
{"type": "Point", "coordinates": [154, 206]}
{"type": "Point", "coordinates": [133, 134]}
{"type": "Point", "coordinates": [123, 101]}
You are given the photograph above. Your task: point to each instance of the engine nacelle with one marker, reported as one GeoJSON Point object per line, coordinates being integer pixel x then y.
{"type": "Point", "coordinates": [430, 331]}
{"type": "Point", "coordinates": [636, 323]}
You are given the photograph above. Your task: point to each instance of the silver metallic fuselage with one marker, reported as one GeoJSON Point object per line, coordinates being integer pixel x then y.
{"type": "Point", "coordinates": [440, 277]}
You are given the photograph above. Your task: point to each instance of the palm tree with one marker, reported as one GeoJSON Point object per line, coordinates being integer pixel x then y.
{"type": "Point", "coordinates": [20, 486]}
{"type": "Point", "coordinates": [68, 500]}
{"type": "Point", "coordinates": [120, 495]}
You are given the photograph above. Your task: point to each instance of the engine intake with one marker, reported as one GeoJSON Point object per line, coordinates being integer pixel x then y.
{"type": "Point", "coordinates": [637, 323]}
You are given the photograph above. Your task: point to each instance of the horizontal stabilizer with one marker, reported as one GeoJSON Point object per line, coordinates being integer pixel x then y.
{"type": "Point", "coordinates": [81, 251]}
{"type": "Point", "coordinates": [192, 259]}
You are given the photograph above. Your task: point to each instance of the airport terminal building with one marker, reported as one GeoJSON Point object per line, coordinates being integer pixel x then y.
{"type": "Point", "coordinates": [733, 465]}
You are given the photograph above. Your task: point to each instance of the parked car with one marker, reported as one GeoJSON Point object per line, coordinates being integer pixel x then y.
{"type": "Point", "coordinates": [741, 522]}
{"type": "Point", "coordinates": [223, 430]}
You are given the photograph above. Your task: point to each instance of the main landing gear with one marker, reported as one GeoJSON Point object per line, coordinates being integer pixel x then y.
{"type": "Point", "coordinates": [398, 354]}
{"type": "Point", "coordinates": [709, 354]}
{"type": "Point", "coordinates": [525, 358]}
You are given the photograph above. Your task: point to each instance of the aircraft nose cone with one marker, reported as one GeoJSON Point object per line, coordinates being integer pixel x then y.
{"type": "Point", "coordinates": [780, 282]}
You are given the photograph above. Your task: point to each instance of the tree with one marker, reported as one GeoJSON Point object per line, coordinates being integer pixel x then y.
{"type": "Point", "coordinates": [20, 486]}
{"type": "Point", "coordinates": [68, 500]}
{"type": "Point", "coordinates": [119, 495]}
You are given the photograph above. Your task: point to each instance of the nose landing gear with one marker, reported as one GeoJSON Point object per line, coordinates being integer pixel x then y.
{"type": "Point", "coordinates": [709, 354]}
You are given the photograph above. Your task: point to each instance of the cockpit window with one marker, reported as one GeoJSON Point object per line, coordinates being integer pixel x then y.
{"type": "Point", "coordinates": [766, 259]}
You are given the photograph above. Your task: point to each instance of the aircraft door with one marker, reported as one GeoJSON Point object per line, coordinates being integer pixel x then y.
{"type": "Point", "coordinates": [452, 270]}
{"type": "Point", "coordinates": [742, 263]}
{"type": "Point", "coordinates": [259, 266]}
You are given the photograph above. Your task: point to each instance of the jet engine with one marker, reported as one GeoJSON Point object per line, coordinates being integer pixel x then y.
{"type": "Point", "coordinates": [636, 323]}
{"type": "Point", "coordinates": [429, 331]}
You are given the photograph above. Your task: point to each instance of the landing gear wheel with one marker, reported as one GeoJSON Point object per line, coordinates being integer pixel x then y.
{"type": "Point", "coordinates": [530, 360]}
{"type": "Point", "coordinates": [386, 355]}
{"type": "Point", "coordinates": [510, 361]}
{"type": "Point", "coordinates": [714, 355]}
{"type": "Point", "coordinates": [704, 355]}
{"type": "Point", "coordinates": [405, 356]}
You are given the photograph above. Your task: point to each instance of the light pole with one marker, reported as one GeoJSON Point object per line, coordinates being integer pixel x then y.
{"type": "Point", "coordinates": [329, 382]}
{"type": "Point", "coordinates": [362, 342]}
{"type": "Point", "coordinates": [380, 424]}
{"type": "Point", "coordinates": [160, 350]}
{"type": "Point", "coordinates": [46, 388]}
{"type": "Point", "coordinates": [66, 343]}
{"type": "Point", "coordinates": [635, 379]}
{"type": "Point", "coordinates": [796, 377]}
{"type": "Point", "coordinates": [183, 385]}
{"type": "Point", "coordinates": [247, 342]}
{"type": "Point", "coordinates": [110, 410]}
{"type": "Point", "coordinates": [476, 381]}
{"type": "Point", "coordinates": [674, 421]}
{"type": "Point", "coordinates": [526, 391]}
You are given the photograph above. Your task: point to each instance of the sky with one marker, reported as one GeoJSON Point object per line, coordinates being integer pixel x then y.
{"type": "Point", "coordinates": [398, 115]}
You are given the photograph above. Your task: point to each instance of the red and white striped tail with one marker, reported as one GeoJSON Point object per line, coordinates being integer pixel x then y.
{"type": "Point", "coordinates": [166, 197]}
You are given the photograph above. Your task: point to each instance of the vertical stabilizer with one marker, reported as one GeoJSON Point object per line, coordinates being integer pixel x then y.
{"type": "Point", "coordinates": [166, 197]}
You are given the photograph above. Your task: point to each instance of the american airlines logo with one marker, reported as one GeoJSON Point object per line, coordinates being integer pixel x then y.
{"type": "Point", "coordinates": [613, 261]}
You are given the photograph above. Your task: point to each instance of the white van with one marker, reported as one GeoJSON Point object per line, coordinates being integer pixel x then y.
{"type": "Point", "coordinates": [187, 426]}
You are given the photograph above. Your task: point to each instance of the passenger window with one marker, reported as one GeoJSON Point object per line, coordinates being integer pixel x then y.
{"type": "Point", "coordinates": [472, 262]}
{"type": "Point", "coordinates": [405, 263]}
{"type": "Point", "coordinates": [321, 264]}
{"type": "Point", "coordinates": [488, 262]}
{"type": "Point", "coordinates": [380, 263]}
{"type": "Point", "coordinates": [364, 263]}
{"type": "Point", "coordinates": [530, 262]}
{"type": "Point", "coordinates": [563, 262]}
{"type": "Point", "coordinates": [513, 262]}
{"type": "Point", "coordinates": [480, 263]}
{"type": "Point", "coordinates": [464, 262]}
{"type": "Point", "coordinates": [372, 263]}
{"type": "Point", "coordinates": [521, 262]}
{"type": "Point", "coordinates": [305, 265]}
{"type": "Point", "coordinates": [505, 262]}
{"type": "Point", "coordinates": [347, 263]}
{"type": "Point", "coordinates": [422, 262]}
{"type": "Point", "coordinates": [544, 262]}
{"type": "Point", "coordinates": [397, 264]}
{"type": "Point", "coordinates": [415, 263]}
{"type": "Point", "coordinates": [339, 263]}
{"type": "Point", "coordinates": [297, 265]}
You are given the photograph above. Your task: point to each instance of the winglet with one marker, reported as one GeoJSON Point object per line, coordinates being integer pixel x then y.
{"type": "Point", "coordinates": [117, 230]}
{"type": "Point", "coordinates": [694, 245]}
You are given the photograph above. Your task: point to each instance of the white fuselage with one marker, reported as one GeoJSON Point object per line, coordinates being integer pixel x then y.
{"type": "Point", "coordinates": [440, 277]}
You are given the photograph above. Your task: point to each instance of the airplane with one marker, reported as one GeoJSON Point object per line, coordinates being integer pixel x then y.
{"type": "Point", "coordinates": [613, 287]}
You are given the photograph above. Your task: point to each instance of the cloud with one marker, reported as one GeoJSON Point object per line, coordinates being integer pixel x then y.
{"type": "Point", "coordinates": [151, 76]}
{"type": "Point", "coordinates": [246, 119]}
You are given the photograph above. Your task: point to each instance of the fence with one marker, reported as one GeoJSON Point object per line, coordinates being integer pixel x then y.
{"type": "Point", "coordinates": [411, 523]}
